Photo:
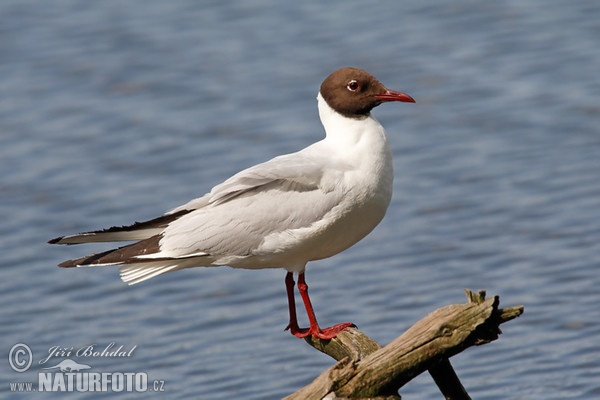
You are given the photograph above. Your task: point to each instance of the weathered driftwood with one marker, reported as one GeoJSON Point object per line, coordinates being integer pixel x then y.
{"type": "Point", "coordinates": [365, 370]}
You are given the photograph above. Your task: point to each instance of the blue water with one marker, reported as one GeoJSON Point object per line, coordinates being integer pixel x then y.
{"type": "Point", "coordinates": [112, 112]}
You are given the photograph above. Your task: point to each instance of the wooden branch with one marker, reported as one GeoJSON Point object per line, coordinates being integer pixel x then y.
{"type": "Point", "coordinates": [447, 381]}
{"type": "Point", "coordinates": [367, 371]}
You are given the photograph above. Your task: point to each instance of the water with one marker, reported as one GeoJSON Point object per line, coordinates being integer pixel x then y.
{"type": "Point", "coordinates": [117, 111]}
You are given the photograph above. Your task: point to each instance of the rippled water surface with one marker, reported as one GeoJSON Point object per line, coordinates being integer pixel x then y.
{"type": "Point", "coordinates": [112, 112]}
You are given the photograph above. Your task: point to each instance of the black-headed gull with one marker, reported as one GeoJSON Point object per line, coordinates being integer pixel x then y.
{"type": "Point", "coordinates": [283, 213]}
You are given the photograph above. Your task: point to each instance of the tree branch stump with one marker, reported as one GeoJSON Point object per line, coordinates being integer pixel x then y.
{"type": "Point", "coordinates": [365, 370]}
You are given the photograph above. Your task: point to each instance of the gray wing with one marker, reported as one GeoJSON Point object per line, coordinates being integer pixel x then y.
{"type": "Point", "coordinates": [286, 193]}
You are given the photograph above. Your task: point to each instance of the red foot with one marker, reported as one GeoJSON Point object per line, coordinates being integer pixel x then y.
{"type": "Point", "coordinates": [314, 330]}
{"type": "Point", "coordinates": [325, 334]}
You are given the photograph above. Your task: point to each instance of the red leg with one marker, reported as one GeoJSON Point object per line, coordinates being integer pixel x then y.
{"type": "Point", "coordinates": [293, 325]}
{"type": "Point", "coordinates": [314, 329]}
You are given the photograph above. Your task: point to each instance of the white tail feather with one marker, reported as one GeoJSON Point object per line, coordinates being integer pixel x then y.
{"type": "Point", "coordinates": [136, 273]}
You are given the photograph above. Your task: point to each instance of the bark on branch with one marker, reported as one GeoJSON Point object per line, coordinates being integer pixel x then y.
{"type": "Point", "coordinates": [365, 370]}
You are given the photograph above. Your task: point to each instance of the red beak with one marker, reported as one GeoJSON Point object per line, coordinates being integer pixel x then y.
{"type": "Point", "coordinates": [392, 95]}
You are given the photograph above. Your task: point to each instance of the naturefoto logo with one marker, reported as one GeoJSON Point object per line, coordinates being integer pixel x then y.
{"type": "Point", "coordinates": [69, 375]}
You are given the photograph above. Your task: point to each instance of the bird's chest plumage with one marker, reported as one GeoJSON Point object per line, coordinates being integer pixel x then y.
{"type": "Point", "coordinates": [360, 170]}
{"type": "Point", "coordinates": [367, 194]}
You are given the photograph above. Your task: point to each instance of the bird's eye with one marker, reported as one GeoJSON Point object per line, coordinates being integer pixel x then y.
{"type": "Point", "coordinates": [353, 85]}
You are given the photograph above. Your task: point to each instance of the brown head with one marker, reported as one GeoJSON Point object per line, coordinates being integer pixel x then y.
{"type": "Point", "coordinates": [353, 92]}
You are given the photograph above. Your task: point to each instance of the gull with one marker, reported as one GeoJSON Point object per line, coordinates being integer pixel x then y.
{"type": "Point", "coordinates": [283, 213]}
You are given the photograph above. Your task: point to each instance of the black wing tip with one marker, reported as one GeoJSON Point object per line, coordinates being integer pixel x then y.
{"type": "Point", "coordinates": [55, 240]}
{"type": "Point", "coordinates": [67, 264]}
{"type": "Point", "coordinates": [92, 259]}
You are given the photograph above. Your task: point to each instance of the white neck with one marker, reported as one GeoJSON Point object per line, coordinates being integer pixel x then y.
{"type": "Point", "coordinates": [346, 131]}
{"type": "Point", "coordinates": [360, 145]}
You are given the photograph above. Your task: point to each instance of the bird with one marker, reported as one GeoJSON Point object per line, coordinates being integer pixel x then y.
{"type": "Point", "coordinates": [283, 213]}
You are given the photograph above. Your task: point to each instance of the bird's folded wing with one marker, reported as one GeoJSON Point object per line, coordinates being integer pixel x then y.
{"type": "Point", "coordinates": [278, 197]}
